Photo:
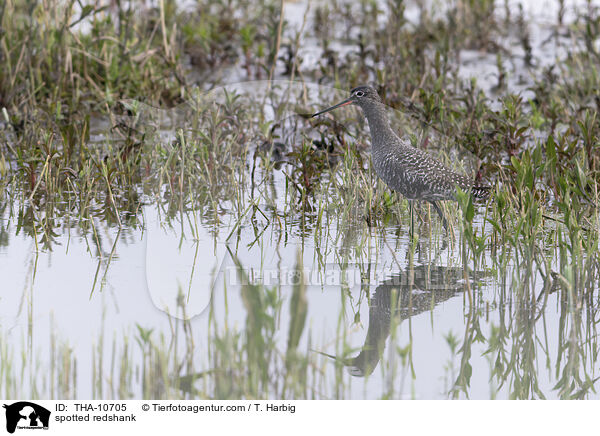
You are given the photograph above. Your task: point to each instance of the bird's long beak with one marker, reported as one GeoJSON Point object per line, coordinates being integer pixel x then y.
{"type": "Point", "coordinates": [343, 103]}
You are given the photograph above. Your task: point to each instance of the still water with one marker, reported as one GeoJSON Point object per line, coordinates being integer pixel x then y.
{"type": "Point", "coordinates": [384, 317]}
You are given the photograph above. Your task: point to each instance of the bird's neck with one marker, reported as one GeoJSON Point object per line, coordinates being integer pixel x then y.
{"type": "Point", "coordinates": [379, 125]}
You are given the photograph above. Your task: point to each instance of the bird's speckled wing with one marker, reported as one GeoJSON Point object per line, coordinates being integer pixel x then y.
{"type": "Point", "coordinates": [418, 175]}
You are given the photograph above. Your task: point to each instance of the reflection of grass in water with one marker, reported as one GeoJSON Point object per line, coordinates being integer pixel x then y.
{"type": "Point", "coordinates": [247, 362]}
{"type": "Point", "coordinates": [24, 375]}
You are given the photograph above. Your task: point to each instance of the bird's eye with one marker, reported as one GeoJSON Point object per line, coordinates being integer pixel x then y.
{"type": "Point", "coordinates": [359, 93]}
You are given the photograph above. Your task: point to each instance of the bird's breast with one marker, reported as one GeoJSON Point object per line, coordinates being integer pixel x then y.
{"type": "Point", "coordinates": [392, 171]}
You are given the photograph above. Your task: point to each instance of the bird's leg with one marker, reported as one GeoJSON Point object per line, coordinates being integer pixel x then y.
{"type": "Point", "coordinates": [412, 221]}
{"type": "Point", "coordinates": [441, 214]}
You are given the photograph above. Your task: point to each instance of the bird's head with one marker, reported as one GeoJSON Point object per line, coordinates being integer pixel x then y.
{"type": "Point", "coordinates": [361, 95]}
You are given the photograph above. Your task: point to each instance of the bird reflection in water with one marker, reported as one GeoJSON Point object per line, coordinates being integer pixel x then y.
{"type": "Point", "coordinates": [410, 293]}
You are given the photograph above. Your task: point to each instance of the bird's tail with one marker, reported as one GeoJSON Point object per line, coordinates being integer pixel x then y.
{"type": "Point", "coordinates": [481, 192]}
